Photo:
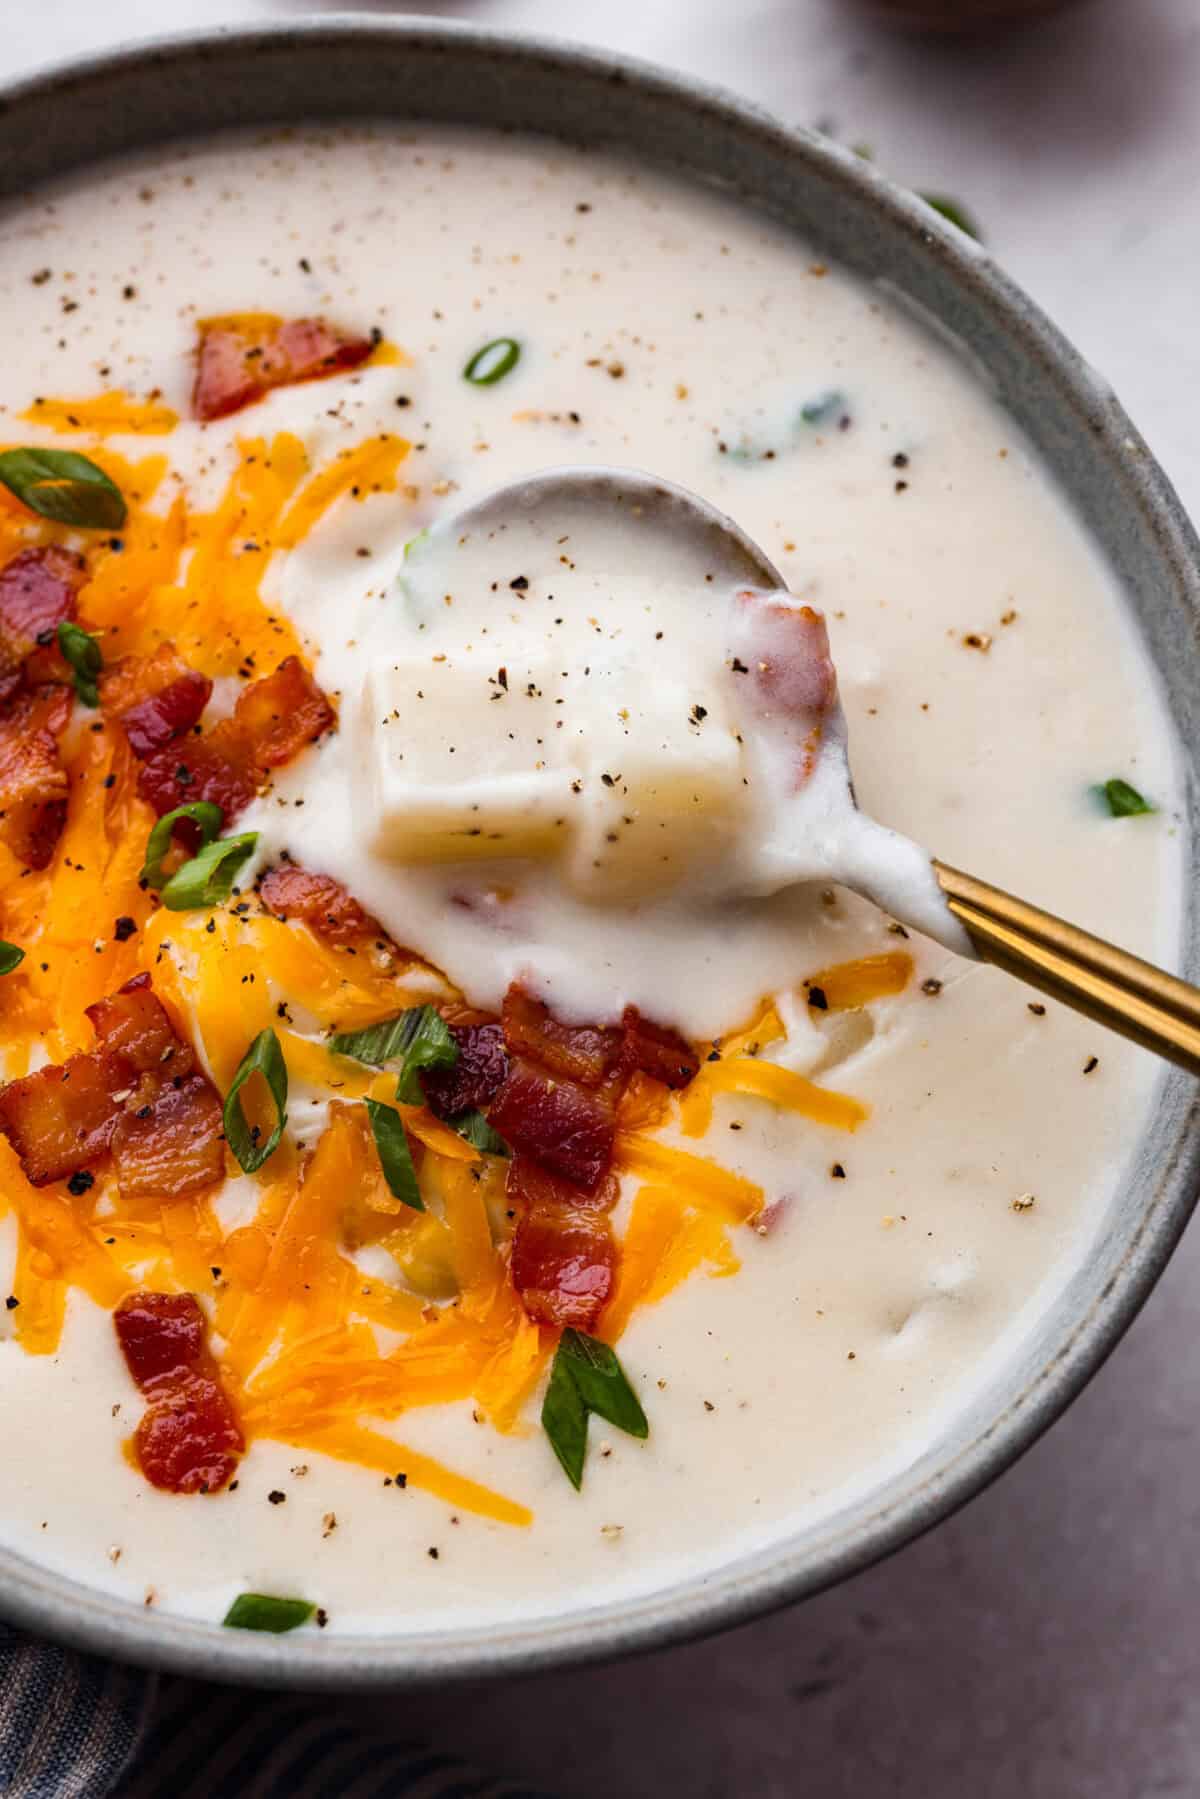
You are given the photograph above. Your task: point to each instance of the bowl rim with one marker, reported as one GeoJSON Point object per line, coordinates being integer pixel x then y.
{"type": "Point", "coordinates": [58, 1606]}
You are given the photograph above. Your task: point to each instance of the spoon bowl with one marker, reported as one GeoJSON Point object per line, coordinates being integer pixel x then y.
{"type": "Point", "coordinates": [844, 846]}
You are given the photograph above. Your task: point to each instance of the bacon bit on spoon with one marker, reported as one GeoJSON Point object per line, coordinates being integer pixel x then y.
{"type": "Point", "coordinates": [189, 1439]}
{"type": "Point", "coordinates": [584, 1053]}
{"type": "Point", "coordinates": [38, 591]}
{"type": "Point", "coordinates": [476, 1077]}
{"type": "Point", "coordinates": [137, 1095]}
{"type": "Point", "coordinates": [655, 1050]}
{"type": "Point", "coordinates": [787, 652]}
{"type": "Point", "coordinates": [154, 698]}
{"type": "Point", "coordinates": [240, 358]}
{"type": "Point", "coordinates": [275, 718]}
{"type": "Point", "coordinates": [564, 1257]}
{"type": "Point", "coordinates": [321, 903]}
{"type": "Point", "coordinates": [33, 781]}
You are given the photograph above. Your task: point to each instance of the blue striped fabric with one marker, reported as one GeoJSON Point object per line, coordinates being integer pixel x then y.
{"type": "Point", "coordinates": [73, 1727]}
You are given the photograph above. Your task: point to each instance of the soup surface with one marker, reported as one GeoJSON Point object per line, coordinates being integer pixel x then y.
{"type": "Point", "coordinates": [889, 1159]}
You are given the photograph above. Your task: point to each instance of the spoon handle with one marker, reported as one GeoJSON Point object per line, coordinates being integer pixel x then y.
{"type": "Point", "coordinates": [1155, 1009]}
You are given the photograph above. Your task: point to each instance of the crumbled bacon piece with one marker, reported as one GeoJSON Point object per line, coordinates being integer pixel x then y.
{"type": "Point", "coordinates": [785, 647]}
{"type": "Point", "coordinates": [155, 698]}
{"type": "Point", "coordinates": [476, 1077]}
{"type": "Point", "coordinates": [159, 1333]}
{"type": "Point", "coordinates": [567, 1128]}
{"type": "Point", "coordinates": [585, 1053]}
{"type": "Point", "coordinates": [59, 1119]}
{"type": "Point", "coordinates": [241, 358]}
{"type": "Point", "coordinates": [564, 1257]}
{"type": "Point", "coordinates": [189, 1439]}
{"type": "Point", "coordinates": [282, 713]}
{"type": "Point", "coordinates": [274, 719]}
{"type": "Point", "coordinates": [657, 1051]}
{"type": "Point", "coordinates": [213, 768]}
{"type": "Point", "coordinates": [33, 781]}
{"type": "Point", "coordinates": [321, 903]}
{"type": "Point", "coordinates": [168, 1138]}
{"type": "Point", "coordinates": [43, 708]}
{"type": "Point", "coordinates": [38, 590]}
{"type": "Point", "coordinates": [132, 1024]}
{"type": "Point", "coordinates": [137, 1095]}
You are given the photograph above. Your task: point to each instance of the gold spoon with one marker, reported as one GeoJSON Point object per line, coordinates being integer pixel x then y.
{"type": "Point", "coordinates": [1117, 989]}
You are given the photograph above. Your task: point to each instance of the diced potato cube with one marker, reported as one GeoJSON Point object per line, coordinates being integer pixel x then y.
{"type": "Point", "coordinates": [460, 762]}
{"type": "Point", "coordinates": [657, 799]}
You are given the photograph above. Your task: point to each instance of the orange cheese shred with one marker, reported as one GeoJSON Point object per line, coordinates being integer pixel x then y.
{"type": "Point", "coordinates": [371, 1449]}
{"type": "Point", "coordinates": [112, 413]}
{"type": "Point", "coordinates": [706, 1183]}
{"type": "Point", "coordinates": [366, 469]}
{"type": "Point", "coordinates": [665, 1242]}
{"type": "Point", "coordinates": [851, 984]}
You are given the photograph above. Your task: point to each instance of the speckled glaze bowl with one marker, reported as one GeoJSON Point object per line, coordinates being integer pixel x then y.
{"type": "Point", "coordinates": [423, 69]}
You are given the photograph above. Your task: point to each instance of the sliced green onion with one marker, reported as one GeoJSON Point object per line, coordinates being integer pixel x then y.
{"type": "Point", "coordinates": [586, 1377]}
{"type": "Point", "coordinates": [419, 1037]}
{"type": "Point", "coordinates": [431, 1046]}
{"type": "Point", "coordinates": [64, 486]}
{"type": "Point", "coordinates": [1122, 800]}
{"type": "Point", "coordinates": [955, 211]}
{"type": "Point", "coordinates": [207, 880]}
{"type": "Point", "coordinates": [824, 411]}
{"type": "Point", "coordinates": [475, 1128]}
{"type": "Point", "coordinates": [414, 543]}
{"type": "Point", "coordinates": [565, 1421]}
{"type": "Point", "coordinates": [264, 1057]}
{"type": "Point", "coordinates": [260, 1611]}
{"type": "Point", "coordinates": [207, 818]}
{"type": "Point", "coordinates": [602, 1384]}
{"type": "Point", "coordinates": [493, 362]}
{"type": "Point", "coordinates": [10, 957]}
{"type": "Point", "coordinates": [395, 1157]}
{"type": "Point", "coordinates": [82, 651]}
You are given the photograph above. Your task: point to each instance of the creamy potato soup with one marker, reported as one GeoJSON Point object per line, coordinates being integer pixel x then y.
{"type": "Point", "coordinates": [450, 1169]}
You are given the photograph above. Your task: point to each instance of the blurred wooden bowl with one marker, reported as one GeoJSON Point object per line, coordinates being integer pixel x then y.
{"type": "Point", "coordinates": [958, 17]}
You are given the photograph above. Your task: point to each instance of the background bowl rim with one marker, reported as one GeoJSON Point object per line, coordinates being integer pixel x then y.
{"type": "Point", "coordinates": [61, 1607]}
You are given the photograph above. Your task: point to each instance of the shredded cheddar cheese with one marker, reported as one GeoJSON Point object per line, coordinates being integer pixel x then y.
{"type": "Point", "coordinates": [111, 414]}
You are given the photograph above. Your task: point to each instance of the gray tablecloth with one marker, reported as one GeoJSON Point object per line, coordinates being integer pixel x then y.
{"type": "Point", "coordinates": [75, 1727]}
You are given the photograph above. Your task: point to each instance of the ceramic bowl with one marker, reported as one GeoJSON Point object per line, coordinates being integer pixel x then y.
{"type": "Point", "coordinates": [423, 69]}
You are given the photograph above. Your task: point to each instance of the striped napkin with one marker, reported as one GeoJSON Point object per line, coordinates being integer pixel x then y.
{"type": "Point", "coordinates": [75, 1727]}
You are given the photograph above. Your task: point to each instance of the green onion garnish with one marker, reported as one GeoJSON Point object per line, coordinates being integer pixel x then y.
{"type": "Point", "coordinates": [64, 486]}
{"type": "Point", "coordinates": [493, 362]}
{"type": "Point", "coordinates": [207, 818]}
{"type": "Point", "coordinates": [419, 1037]}
{"type": "Point", "coordinates": [1122, 800]}
{"type": "Point", "coordinates": [824, 411]}
{"type": "Point", "coordinates": [474, 1127]}
{"type": "Point", "coordinates": [82, 651]}
{"type": "Point", "coordinates": [955, 211]}
{"type": "Point", "coordinates": [264, 1057]}
{"type": "Point", "coordinates": [395, 1157]}
{"type": "Point", "coordinates": [260, 1611]}
{"type": "Point", "coordinates": [207, 880]}
{"type": "Point", "coordinates": [10, 957]}
{"type": "Point", "coordinates": [586, 1377]}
